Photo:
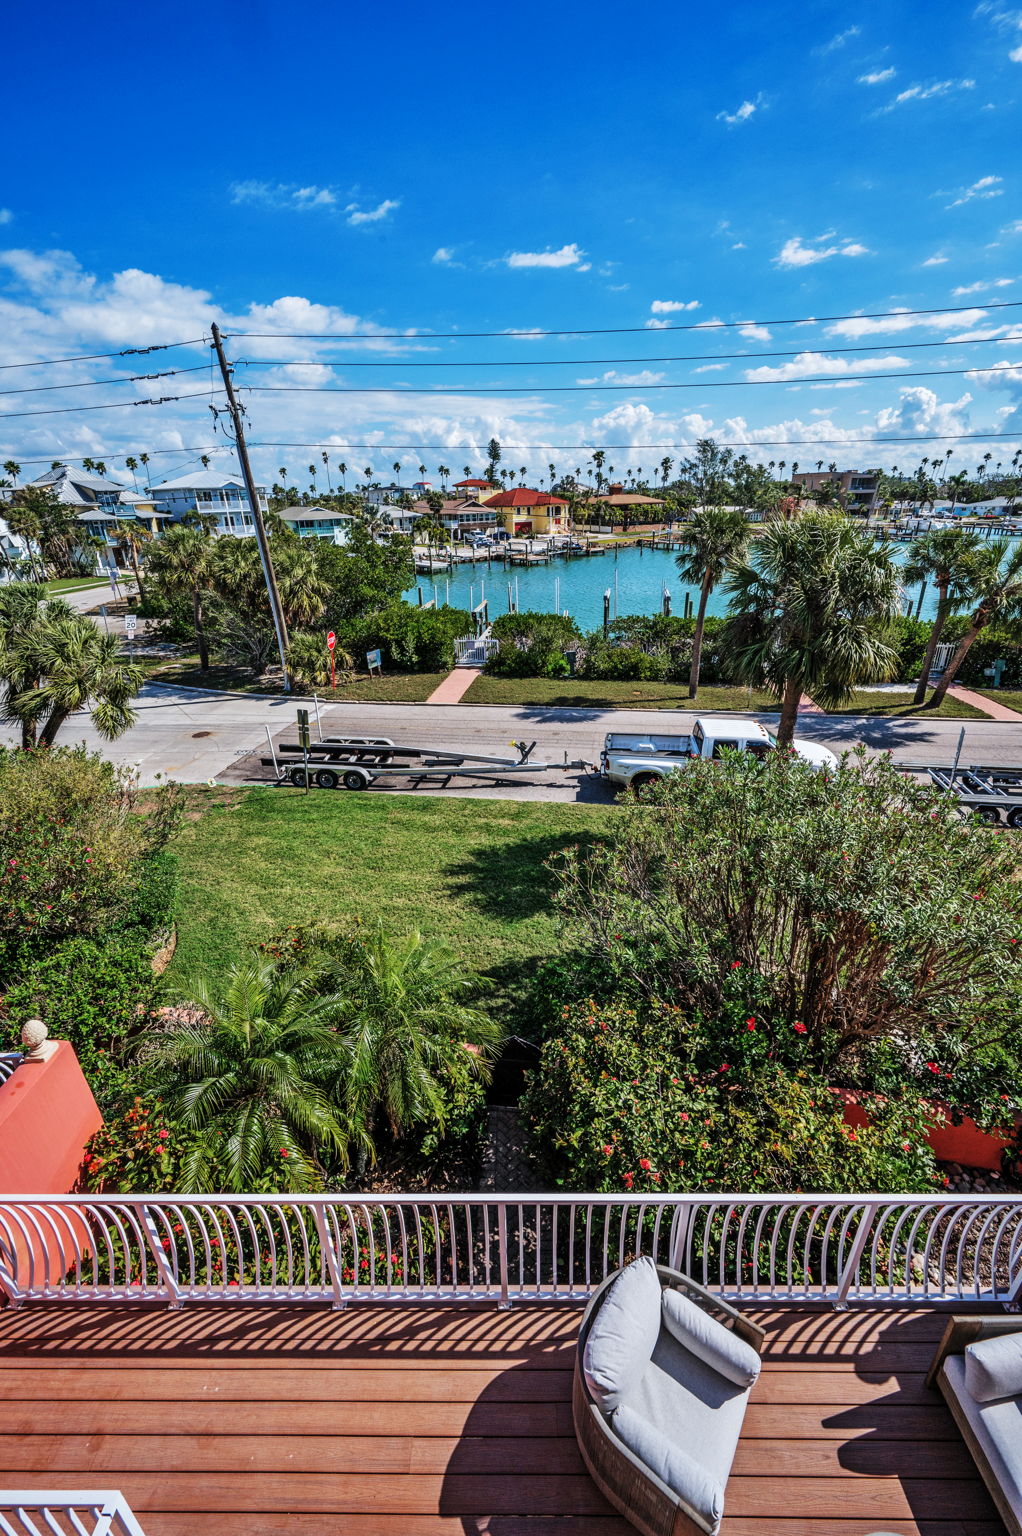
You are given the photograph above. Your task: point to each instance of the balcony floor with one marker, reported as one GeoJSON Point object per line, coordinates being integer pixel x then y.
{"type": "Point", "coordinates": [456, 1421]}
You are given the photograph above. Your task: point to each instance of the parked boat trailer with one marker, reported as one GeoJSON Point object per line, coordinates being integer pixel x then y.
{"type": "Point", "coordinates": [356, 762]}
{"type": "Point", "coordinates": [990, 791]}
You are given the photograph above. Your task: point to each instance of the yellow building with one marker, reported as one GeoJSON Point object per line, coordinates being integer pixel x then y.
{"type": "Point", "coordinates": [524, 512]}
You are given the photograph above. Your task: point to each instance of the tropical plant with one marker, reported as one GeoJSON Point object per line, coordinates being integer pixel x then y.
{"type": "Point", "coordinates": [808, 613]}
{"type": "Point", "coordinates": [133, 536]}
{"type": "Point", "coordinates": [179, 566]}
{"type": "Point", "coordinates": [406, 1030]}
{"type": "Point", "coordinates": [948, 558]}
{"type": "Point", "coordinates": [717, 537]}
{"type": "Point", "coordinates": [997, 586]}
{"type": "Point", "coordinates": [248, 1078]}
{"type": "Point", "coordinates": [308, 662]}
{"type": "Point", "coordinates": [37, 515]}
{"type": "Point", "coordinates": [54, 662]}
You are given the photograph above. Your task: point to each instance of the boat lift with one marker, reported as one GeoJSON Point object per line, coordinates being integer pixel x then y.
{"type": "Point", "coordinates": [356, 762]}
{"type": "Point", "coordinates": [991, 792]}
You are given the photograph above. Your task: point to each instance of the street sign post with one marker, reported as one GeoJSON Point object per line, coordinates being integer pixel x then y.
{"type": "Point", "coordinates": [305, 739]}
{"type": "Point", "coordinates": [331, 641]}
{"type": "Point", "coordinates": [130, 626]}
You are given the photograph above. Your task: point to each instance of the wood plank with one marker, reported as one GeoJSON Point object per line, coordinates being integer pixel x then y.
{"type": "Point", "coordinates": [421, 1383]}
{"type": "Point", "coordinates": [384, 1417]}
{"type": "Point", "coordinates": [834, 1421]}
{"type": "Point", "coordinates": [284, 1523]}
{"type": "Point", "coordinates": [874, 1498]}
{"type": "Point", "coordinates": [380, 1455]}
{"type": "Point", "coordinates": [817, 1526]}
{"type": "Point", "coordinates": [867, 1456]}
{"type": "Point", "coordinates": [840, 1387]}
{"type": "Point", "coordinates": [884, 1356]}
{"type": "Point", "coordinates": [353, 1493]}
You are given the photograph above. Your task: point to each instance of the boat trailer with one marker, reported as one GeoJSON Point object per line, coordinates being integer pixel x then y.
{"type": "Point", "coordinates": [356, 762]}
{"type": "Point", "coordinates": [988, 791]}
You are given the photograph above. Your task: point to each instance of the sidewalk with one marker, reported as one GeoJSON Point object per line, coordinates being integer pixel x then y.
{"type": "Point", "coordinates": [457, 683]}
{"type": "Point", "coordinates": [980, 701]}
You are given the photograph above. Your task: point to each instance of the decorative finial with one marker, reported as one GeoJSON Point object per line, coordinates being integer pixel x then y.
{"type": "Point", "coordinates": [35, 1039]}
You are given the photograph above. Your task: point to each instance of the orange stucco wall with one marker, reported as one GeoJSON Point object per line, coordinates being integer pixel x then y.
{"type": "Point", "coordinates": [966, 1144]}
{"type": "Point", "coordinates": [47, 1114]}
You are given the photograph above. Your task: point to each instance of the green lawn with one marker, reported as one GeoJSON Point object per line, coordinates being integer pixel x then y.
{"type": "Point", "coordinates": [1011, 698]}
{"type": "Point", "coordinates": [566, 693]}
{"type": "Point", "coordinates": [400, 687]}
{"type": "Point", "coordinates": [57, 588]}
{"type": "Point", "coordinates": [467, 871]}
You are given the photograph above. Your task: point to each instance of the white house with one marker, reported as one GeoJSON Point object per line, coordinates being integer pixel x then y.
{"type": "Point", "coordinates": [318, 523]}
{"type": "Point", "coordinates": [211, 493]}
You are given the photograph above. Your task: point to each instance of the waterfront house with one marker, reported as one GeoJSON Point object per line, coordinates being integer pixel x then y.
{"type": "Point", "coordinates": [525, 512]}
{"type": "Point", "coordinates": [210, 493]}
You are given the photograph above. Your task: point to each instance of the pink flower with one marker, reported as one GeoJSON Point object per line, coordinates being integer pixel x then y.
{"type": "Point", "coordinates": [683, 1116]}
{"type": "Point", "coordinates": [905, 1146]}
{"type": "Point", "coordinates": [607, 1151]}
{"type": "Point", "coordinates": [799, 1027]}
{"type": "Point", "coordinates": [736, 965]}
{"type": "Point", "coordinates": [645, 1163]}
{"type": "Point", "coordinates": [933, 1067]}
{"type": "Point", "coordinates": [284, 1152]}
{"type": "Point", "coordinates": [724, 1067]}
{"type": "Point", "coordinates": [163, 1135]}
{"type": "Point", "coordinates": [750, 1024]}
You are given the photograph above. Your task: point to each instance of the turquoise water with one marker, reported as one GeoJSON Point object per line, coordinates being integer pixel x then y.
{"type": "Point", "coordinates": [635, 577]}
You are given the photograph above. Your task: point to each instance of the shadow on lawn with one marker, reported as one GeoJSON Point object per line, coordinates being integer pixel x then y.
{"type": "Point", "coordinates": [512, 880]}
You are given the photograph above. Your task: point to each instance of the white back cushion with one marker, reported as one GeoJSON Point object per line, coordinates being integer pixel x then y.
{"type": "Point", "coordinates": [993, 1367]}
{"type": "Point", "coordinates": [715, 1345]}
{"type": "Point", "coordinates": [623, 1334]}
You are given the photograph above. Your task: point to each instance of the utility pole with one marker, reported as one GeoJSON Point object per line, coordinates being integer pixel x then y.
{"type": "Point", "coordinates": [279, 623]}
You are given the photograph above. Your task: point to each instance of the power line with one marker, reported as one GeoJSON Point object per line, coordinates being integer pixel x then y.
{"type": "Point", "coordinates": [575, 389]}
{"type": "Point", "coordinates": [534, 448]}
{"type": "Point", "coordinates": [614, 330]}
{"type": "Point", "coordinates": [127, 378]}
{"type": "Point", "coordinates": [91, 357]}
{"type": "Point", "coordinates": [595, 362]}
{"type": "Point", "coordinates": [116, 405]}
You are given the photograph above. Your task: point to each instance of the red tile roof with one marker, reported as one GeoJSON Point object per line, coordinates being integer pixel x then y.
{"type": "Point", "coordinates": [521, 496]}
{"type": "Point", "coordinates": [459, 483]}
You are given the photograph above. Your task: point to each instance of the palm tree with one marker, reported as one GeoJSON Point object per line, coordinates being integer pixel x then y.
{"type": "Point", "coordinates": [55, 662]}
{"type": "Point", "coordinates": [342, 470]}
{"type": "Point", "coordinates": [997, 586]}
{"type": "Point", "coordinates": [444, 473]}
{"type": "Point", "coordinates": [947, 557]}
{"type": "Point", "coordinates": [396, 467]}
{"type": "Point", "coordinates": [12, 468]}
{"type": "Point", "coordinates": [143, 459]}
{"type": "Point", "coordinates": [809, 613]}
{"type": "Point", "coordinates": [717, 537]}
{"type": "Point", "coordinates": [404, 1027]}
{"type": "Point", "coordinates": [250, 1078]}
{"type": "Point", "coordinates": [180, 565]}
{"type": "Point", "coordinates": [133, 536]}
{"type": "Point", "coordinates": [326, 465]}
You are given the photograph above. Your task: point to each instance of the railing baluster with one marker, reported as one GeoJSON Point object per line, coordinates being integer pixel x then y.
{"type": "Point", "coordinates": [505, 1296]}
{"type": "Point", "coordinates": [849, 1270]}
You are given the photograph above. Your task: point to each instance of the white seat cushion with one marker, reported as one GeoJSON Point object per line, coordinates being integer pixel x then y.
{"type": "Point", "coordinates": [998, 1428]}
{"type": "Point", "coordinates": [623, 1334]}
{"type": "Point", "coordinates": [693, 1405]}
{"type": "Point", "coordinates": [671, 1463]}
{"type": "Point", "coordinates": [710, 1340]}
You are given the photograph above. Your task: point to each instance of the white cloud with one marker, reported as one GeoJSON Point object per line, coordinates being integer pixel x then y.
{"type": "Point", "coordinates": [928, 92]}
{"type": "Point", "coordinates": [985, 187]}
{"type": "Point", "coordinates": [1013, 229]}
{"type": "Point", "coordinates": [1005, 21]}
{"type": "Point", "coordinates": [6, 216]}
{"type": "Point", "coordinates": [672, 306]}
{"type": "Point", "coordinates": [657, 325]}
{"type": "Point", "coordinates": [740, 114]}
{"type": "Point", "coordinates": [646, 376]}
{"type": "Point", "coordinates": [808, 363]}
{"type": "Point", "coordinates": [877, 77]}
{"type": "Point", "coordinates": [282, 195]}
{"type": "Point", "coordinates": [903, 320]}
{"type": "Point", "coordinates": [1016, 55]}
{"type": "Point", "coordinates": [798, 253]}
{"type": "Point", "coordinates": [936, 260]}
{"type": "Point", "coordinates": [567, 256]}
{"type": "Point", "coordinates": [980, 287]}
{"type": "Point", "coordinates": [840, 40]}
{"type": "Point", "coordinates": [753, 332]}
{"type": "Point", "coordinates": [357, 215]}
{"type": "Point", "coordinates": [443, 254]}
{"type": "Point", "coordinates": [710, 368]}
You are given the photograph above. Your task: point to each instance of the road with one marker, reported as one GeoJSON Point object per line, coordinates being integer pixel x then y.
{"type": "Point", "coordinates": [193, 736]}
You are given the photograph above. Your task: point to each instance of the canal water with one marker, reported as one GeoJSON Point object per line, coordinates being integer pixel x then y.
{"type": "Point", "coordinates": [634, 577]}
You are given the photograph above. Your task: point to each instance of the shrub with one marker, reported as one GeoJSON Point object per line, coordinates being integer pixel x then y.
{"type": "Point", "coordinates": [855, 903]}
{"type": "Point", "coordinates": [533, 644]}
{"type": "Point", "coordinates": [639, 1102]}
{"type": "Point", "coordinates": [411, 639]}
{"type": "Point", "coordinates": [73, 832]}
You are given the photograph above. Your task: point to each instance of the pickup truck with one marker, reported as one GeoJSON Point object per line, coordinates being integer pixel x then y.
{"type": "Point", "coordinates": [635, 761]}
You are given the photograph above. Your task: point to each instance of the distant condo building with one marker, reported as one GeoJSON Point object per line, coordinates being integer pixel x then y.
{"type": "Point", "coordinates": [859, 489]}
{"type": "Point", "coordinates": [212, 494]}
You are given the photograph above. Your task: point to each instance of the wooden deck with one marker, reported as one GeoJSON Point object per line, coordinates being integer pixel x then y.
{"type": "Point", "coordinates": [405, 1421]}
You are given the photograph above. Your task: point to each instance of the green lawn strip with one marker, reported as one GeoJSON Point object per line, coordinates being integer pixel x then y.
{"type": "Point", "coordinates": [1011, 698]}
{"type": "Point", "coordinates": [65, 584]}
{"type": "Point", "coordinates": [567, 693]}
{"type": "Point", "coordinates": [901, 706]}
{"type": "Point", "coordinates": [401, 687]}
{"type": "Point", "coordinates": [469, 872]}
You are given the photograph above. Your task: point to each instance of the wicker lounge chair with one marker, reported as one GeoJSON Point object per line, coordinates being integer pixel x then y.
{"type": "Point", "coordinates": [659, 1397]}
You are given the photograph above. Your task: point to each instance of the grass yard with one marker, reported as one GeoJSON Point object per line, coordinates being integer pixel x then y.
{"type": "Point", "coordinates": [60, 586]}
{"type": "Point", "coordinates": [901, 705]}
{"type": "Point", "coordinates": [399, 688]}
{"type": "Point", "coordinates": [568, 693]}
{"type": "Point", "coordinates": [1011, 698]}
{"type": "Point", "coordinates": [467, 871]}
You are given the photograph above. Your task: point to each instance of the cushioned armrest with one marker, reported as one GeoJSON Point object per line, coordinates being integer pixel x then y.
{"type": "Point", "coordinates": [993, 1368]}
{"type": "Point", "coordinates": [671, 1464]}
{"type": "Point", "coordinates": [715, 1345]}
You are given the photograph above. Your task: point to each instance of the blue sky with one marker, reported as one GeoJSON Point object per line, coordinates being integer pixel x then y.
{"type": "Point", "coordinates": [448, 170]}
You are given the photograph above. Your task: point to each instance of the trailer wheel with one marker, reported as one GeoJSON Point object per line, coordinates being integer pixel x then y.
{"type": "Point", "coordinates": [353, 780]}
{"type": "Point", "coordinates": [988, 814]}
{"type": "Point", "coordinates": [1015, 817]}
{"type": "Point", "coordinates": [642, 782]}
{"type": "Point", "coordinates": [297, 777]}
{"type": "Point", "coordinates": [326, 778]}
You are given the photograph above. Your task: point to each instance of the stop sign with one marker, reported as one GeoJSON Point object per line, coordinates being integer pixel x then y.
{"type": "Point", "coordinates": [331, 641]}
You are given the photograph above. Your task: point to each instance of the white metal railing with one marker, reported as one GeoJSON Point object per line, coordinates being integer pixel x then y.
{"type": "Point", "coordinates": [37, 1512]}
{"type": "Point", "coordinates": [903, 1249]}
{"type": "Point", "coordinates": [9, 1063]}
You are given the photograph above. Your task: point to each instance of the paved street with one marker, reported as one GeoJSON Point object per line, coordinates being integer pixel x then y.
{"type": "Point", "coordinates": [192, 736]}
